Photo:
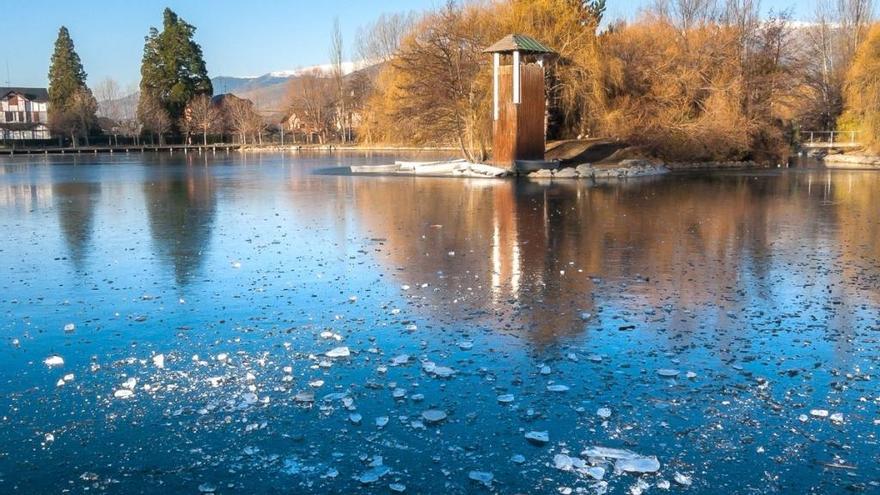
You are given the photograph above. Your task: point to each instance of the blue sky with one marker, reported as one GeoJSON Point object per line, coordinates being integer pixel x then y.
{"type": "Point", "coordinates": [239, 37]}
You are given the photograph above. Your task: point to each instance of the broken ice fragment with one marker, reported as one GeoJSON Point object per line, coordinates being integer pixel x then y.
{"type": "Point", "coordinates": [819, 413]}
{"type": "Point", "coordinates": [355, 418]}
{"type": "Point", "coordinates": [682, 479]}
{"type": "Point", "coordinates": [338, 352]}
{"type": "Point", "coordinates": [604, 413]}
{"type": "Point", "coordinates": [373, 475]}
{"type": "Point", "coordinates": [207, 488]}
{"type": "Point", "coordinates": [159, 361]}
{"type": "Point", "coordinates": [381, 421]}
{"type": "Point", "coordinates": [400, 360]}
{"type": "Point", "coordinates": [397, 487]}
{"type": "Point", "coordinates": [305, 396]}
{"type": "Point", "coordinates": [123, 393]}
{"type": "Point", "coordinates": [433, 416]}
{"type": "Point", "coordinates": [557, 388]}
{"type": "Point", "coordinates": [837, 418]}
{"type": "Point", "coordinates": [482, 477]}
{"type": "Point", "coordinates": [70, 327]}
{"type": "Point", "coordinates": [53, 361]}
{"type": "Point", "coordinates": [505, 398]}
{"type": "Point", "coordinates": [538, 437]}
{"type": "Point", "coordinates": [562, 462]}
{"type": "Point", "coordinates": [465, 345]}
{"type": "Point", "coordinates": [667, 373]}
{"type": "Point", "coordinates": [638, 464]}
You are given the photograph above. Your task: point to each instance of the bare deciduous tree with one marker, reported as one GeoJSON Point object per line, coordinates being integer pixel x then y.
{"type": "Point", "coordinates": [202, 116]}
{"type": "Point", "coordinates": [154, 118]}
{"type": "Point", "coordinates": [380, 41]}
{"type": "Point", "coordinates": [311, 98]}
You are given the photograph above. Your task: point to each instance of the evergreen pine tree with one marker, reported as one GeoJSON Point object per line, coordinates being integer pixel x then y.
{"type": "Point", "coordinates": [172, 70]}
{"type": "Point", "coordinates": [71, 103]}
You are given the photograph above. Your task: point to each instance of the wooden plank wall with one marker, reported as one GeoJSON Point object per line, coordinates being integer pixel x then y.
{"type": "Point", "coordinates": [504, 129]}
{"type": "Point", "coordinates": [530, 135]}
{"type": "Point", "coordinates": [518, 134]}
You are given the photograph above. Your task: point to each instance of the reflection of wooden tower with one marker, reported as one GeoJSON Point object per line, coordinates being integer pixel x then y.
{"type": "Point", "coordinates": [518, 100]}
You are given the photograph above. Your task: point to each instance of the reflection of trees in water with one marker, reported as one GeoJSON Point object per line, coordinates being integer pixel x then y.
{"type": "Point", "coordinates": [703, 246]}
{"type": "Point", "coordinates": [75, 203]}
{"type": "Point", "coordinates": [181, 205]}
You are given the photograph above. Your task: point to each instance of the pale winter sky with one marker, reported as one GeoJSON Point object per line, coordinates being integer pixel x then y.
{"type": "Point", "coordinates": [239, 38]}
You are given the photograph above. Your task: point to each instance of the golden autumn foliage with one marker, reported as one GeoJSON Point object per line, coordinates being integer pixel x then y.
{"type": "Point", "coordinates": [862, 91]}
{"type": "Point", "coordinates": [706, 84]}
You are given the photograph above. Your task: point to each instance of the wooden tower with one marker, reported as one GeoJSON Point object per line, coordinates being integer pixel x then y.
{"type": "Point", "coordinates": [518, 100]}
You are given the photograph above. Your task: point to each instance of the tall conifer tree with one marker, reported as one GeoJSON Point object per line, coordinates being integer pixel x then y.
{"type": "Point", "coordinates": [71, 103]}
{"type": "Point", "coordinates": [172, 70]}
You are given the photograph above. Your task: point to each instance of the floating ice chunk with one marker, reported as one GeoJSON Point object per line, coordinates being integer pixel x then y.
{"type": "Point", "coordinates": [59, 383]}
{"type": "Point", "coordinates": [382, 421]}
{"type": "Point", "coordinates": [433, 416]}
{"type": "Point", "coordinates": [207, 488]}
{"type": "Point", "coordinates": [557, 388]}
{"type": "Point", "coordinates": [355, 418]}
{"type": "Point", "coordinates": [836, 418]}
{"type": "Point", "coordinates": [538, 437]}
{"type": "Point", "coordinates": [682, 480]}
{"type": "Point", "coordinates": [518, 459]}
{"type": "Point", "coordinates": [545, 370]}
{"type": "Point", "coordinates": [604, 413]}
{"type": "Point", "coordinates": [123, 393]}
{"type": "Point", "coordinates": [130, 384]}
{"type": "Point", "coordinates": [505, 398]}
{"type": "Point", "coordinates": [215, 381]}
{"type": "Point", "coordinates": [586, 316]}
{"type": "Point", "coordinates": [316, 383]}
{"type": "Point", "coordinates": [819, 413]}
{"type": "Point", "coordinates": [54, 361]}
{"type": "Point", "coordinates": [482, 477]}
{"type": "Point", "coordinates": [338, 352]}
{"type": "Point", "coordinates": [690, 375]}
{"type": "Point", "coordinates": [595, 472]}
{"type": "Point", "coordinates": [70, 327]}
{"type": "Point", "coordinates": [372, 475]}
{"type": "Point", "coordinates": [68, 377]}
{"type": "Point", "coordinates": [562, 462]}
{"type": "Point", "coordinates": [223, 357]}
{"type": "Point", "coordinates": [638, 464]}
{"type": "Point", "coordinates": [236, 264]}
{"type": "Point", "coordinates": [465, 345]}
{"type": "Point", "coordinates": [400, 360]}
{"type": "Point", "coordinates": [159, 361]}
{"type": "Point", "coordinates": [663, 484]}
{"type": "Point", "coordinates": [397, 487]}
{"type": "Point", "coordinates": [304, 396]}
{"type": "Point", "coordinates": [398, 393]}
{"type": "Point", "coordinates": [667, 373]}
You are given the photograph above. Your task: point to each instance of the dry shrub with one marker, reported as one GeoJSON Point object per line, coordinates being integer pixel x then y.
{"type": "Point", "coordinates": [862, 92]}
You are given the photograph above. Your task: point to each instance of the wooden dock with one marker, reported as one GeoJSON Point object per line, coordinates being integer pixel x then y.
{"type": "Point", "coordinates": [81, 150]}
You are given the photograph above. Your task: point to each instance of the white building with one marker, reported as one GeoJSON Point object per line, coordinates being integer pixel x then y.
{"type": "Point", "coordinates": [24, 114]}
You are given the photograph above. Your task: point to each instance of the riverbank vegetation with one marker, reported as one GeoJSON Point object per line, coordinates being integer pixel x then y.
{"type": "Point", "coordinates": [685, 80]}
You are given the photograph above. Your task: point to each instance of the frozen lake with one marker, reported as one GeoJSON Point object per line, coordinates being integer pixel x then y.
{"type": "Point", "coordinates": [230, 324]}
